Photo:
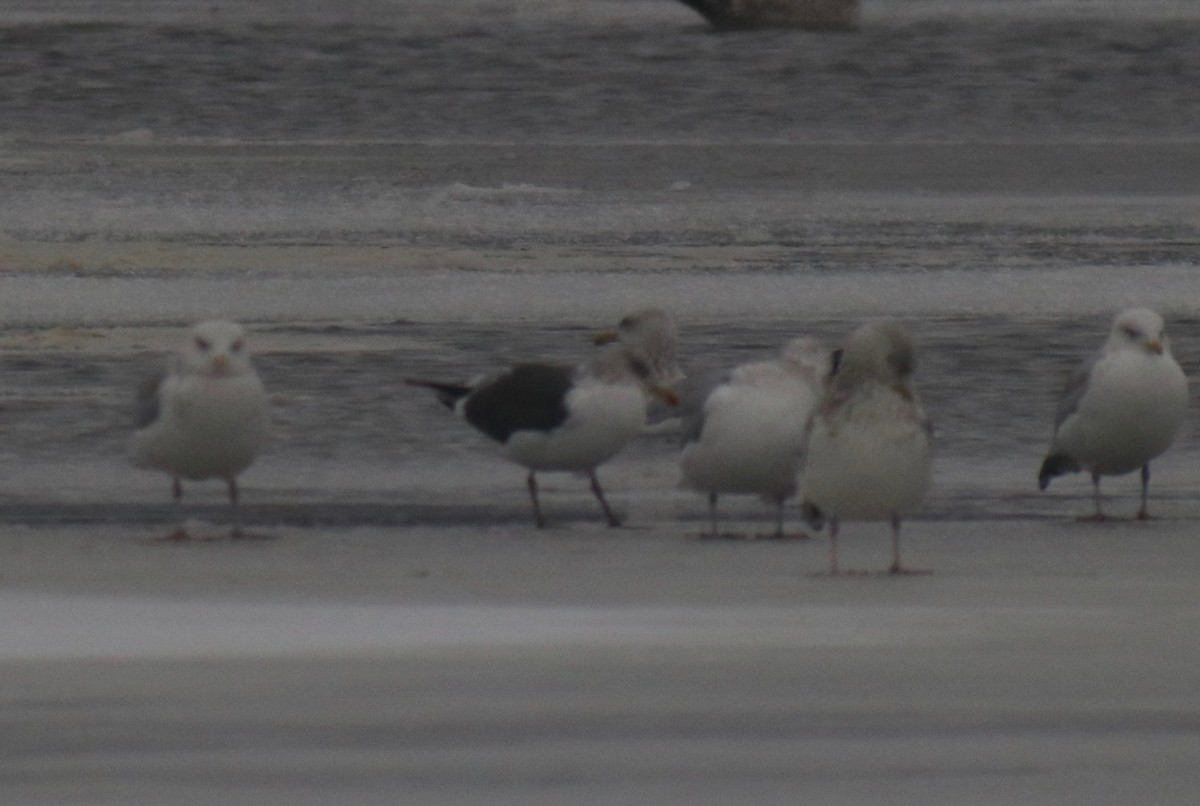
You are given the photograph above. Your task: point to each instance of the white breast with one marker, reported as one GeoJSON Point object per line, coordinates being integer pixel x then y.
{"type": "Point", "coordinates": [207, 427]}
{"type": "Point", "coordinates": [602, 418]}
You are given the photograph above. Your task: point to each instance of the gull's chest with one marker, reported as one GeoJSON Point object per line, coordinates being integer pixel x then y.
{"type": "Point", "coordinates": [221, 405]}
{"type": "Point", "coordinates": [873, 414]}
{"type": "Point", "coordinates": [1135, 386]}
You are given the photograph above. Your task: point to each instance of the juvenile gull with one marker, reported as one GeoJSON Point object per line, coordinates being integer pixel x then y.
{"type": "Point", "coordinates": [205, 416]}
{"type": "Point", "coordinates": [1121, 408]}
{"type": "Point", "coordinates": [749, 435]}
{"type": "Point", "coordinates": [869, 453]}
{"type": "Point", "coordinates": [549, 417]}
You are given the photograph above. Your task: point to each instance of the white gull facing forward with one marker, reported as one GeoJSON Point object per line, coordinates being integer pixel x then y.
{"type": "Point", "coordinates": [548, 417]}
{"type": "Point", "coordinates": [870, 451]}
{"type": "Point", "coordinates": [1121, 408]}
{"type": "Point", "coordinates": [749, 435]}
{"type": "Point", "coordinates": [205, 416]}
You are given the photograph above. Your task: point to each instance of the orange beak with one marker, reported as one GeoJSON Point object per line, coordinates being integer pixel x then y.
{"type": "Point", "coordinates": [666, 395]}
{"type": "Point", "coordinates": [220, 364]}
{"type": "Point", "coordinates": [606, 337]}
{"type": "Point", "coordinates": [1155, 347]}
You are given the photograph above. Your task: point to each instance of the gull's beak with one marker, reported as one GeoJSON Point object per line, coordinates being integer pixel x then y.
{"type": "Point", "coordinates": [664, 394]}
{"type": "Point", "coordinates": [1155, 346]}
{"type": "Point", "coordinates": [220, 364]}
{"type": "Point", "coordinates": [606, 337]}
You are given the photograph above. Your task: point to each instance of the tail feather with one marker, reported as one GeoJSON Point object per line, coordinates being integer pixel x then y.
{"type": "Point", "coordinates": [1056, 464]}
{"type": "Point", "coordinates": [447, 393]}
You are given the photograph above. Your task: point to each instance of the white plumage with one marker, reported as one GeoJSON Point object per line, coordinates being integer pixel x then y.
{"type": "Point", "coordinates": [206, 416]}
{"type": "Point", "coordinates": [869, 453]}
{"type": "Point", "coordinates": [749, 436]}
{"type": "Point", "coordinates": [1120, 409]}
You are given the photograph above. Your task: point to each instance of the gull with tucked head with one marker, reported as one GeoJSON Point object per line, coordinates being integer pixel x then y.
{"type": "Point", "coordinates": [748, 435]}
{"type": "Point", "coordinates": [1120, 409]}
{"type": "Point", "coordinates": [869, 452]}
{"type": "Point", "coordinates": [205, 416]}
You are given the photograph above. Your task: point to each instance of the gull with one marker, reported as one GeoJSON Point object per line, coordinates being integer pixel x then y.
{"type": "Point", "coordinates": [1121, 408]}
{"type": "Point", "coordinates": [549, 417]}
{"type": "Point", "coordinates": [749, 436]}
{"type": "Point", "coordinates": [205, 416]}
{"type": "Point", "coordinates": [869, 454]}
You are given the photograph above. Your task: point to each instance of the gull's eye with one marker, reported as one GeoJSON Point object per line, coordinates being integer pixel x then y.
{"type": "Point", "coordinates": [1132, 332]}
{"type": "Point", "coordinates": [236, 347]}
{"type": "Point", "coordinates": [639, 367]}
{"type": "Point", "coordinates": [202, 344]}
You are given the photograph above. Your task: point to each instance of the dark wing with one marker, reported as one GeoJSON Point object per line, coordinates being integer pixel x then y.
{"type": "Point", "coordinates": [692, 397]}
{"type": "Point", "coordinates": [146, 406]}
{"type": "Point", "coordinates": [1057, 464]}
{"type": "Point", "coordinates": [1077, 386]}
{"type": "Point", "coordinates": [529, 397]}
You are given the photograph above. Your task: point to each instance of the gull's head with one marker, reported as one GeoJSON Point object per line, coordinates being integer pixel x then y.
{"type": "Point", "coordinates": [882, 351]}
{"type": "Point", "coordinates": [1139, 329]}
{"type": "Point", "coordinates": [615, 364]}
{"type": "Point", "coordinates": [216, 349]}
{"type": "Point", "coordinates": [808, 357]}
{"type": "Point", "coordinates": [648, 336]}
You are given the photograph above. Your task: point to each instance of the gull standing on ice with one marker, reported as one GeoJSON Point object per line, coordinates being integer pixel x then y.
{"type": "Point", "coordinates": [205, 416]}
{"type": "Point", "coordinates": [1120, 409]}
{"type": "Point", "coordinates": [869, 454]}
{"type": "Point", "coordinates": [549, 417]}
{"type": "Point", "coordinates": [749, 437]}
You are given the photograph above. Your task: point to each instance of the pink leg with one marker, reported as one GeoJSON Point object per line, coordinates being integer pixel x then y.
{"type": "Point", "coordinates": [531, 483]}
{"type": "Point", "coordinates": [613, 520]}
{"type": "Point", "coordinates": [1144, 513]}
{"type": "Point", "coordinates": [238, 533]}
{"type": "Point", "coordinates": [779, 533]}
{"type": "Point", "coordinates": [231, 483]}
{"type": "Point", "coordinates": [1099, 514]}
{"type": "Point", "coordinates": [180, 534]}
{"type": "Point", "coordinates": [897, 567]}
{"type": "Point", "coordinates": [833, 556]}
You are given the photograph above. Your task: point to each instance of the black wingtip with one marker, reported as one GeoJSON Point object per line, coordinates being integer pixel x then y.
{"type": "Point", "coordinates": [1056, 464]}
{"type": "Point", "coordinates": [813, 516]}
{"type": "Point", "coordinates": [447, 393]}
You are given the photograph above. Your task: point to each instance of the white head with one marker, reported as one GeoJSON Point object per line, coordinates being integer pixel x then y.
{"type": "Point", "coordinates": [1138, 329]}
{"type": "Point", "coordinates": [808, 357]}
{"type": "Point", "coordinates": [216, 349]}
{"type": "Point", "coordinates": [648, 336]}
{"type": "Point", "coordinates": [880, 351]}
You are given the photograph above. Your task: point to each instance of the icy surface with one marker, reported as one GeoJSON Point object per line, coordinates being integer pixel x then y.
{"type": "Point", "coordinates": [390, 189]}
